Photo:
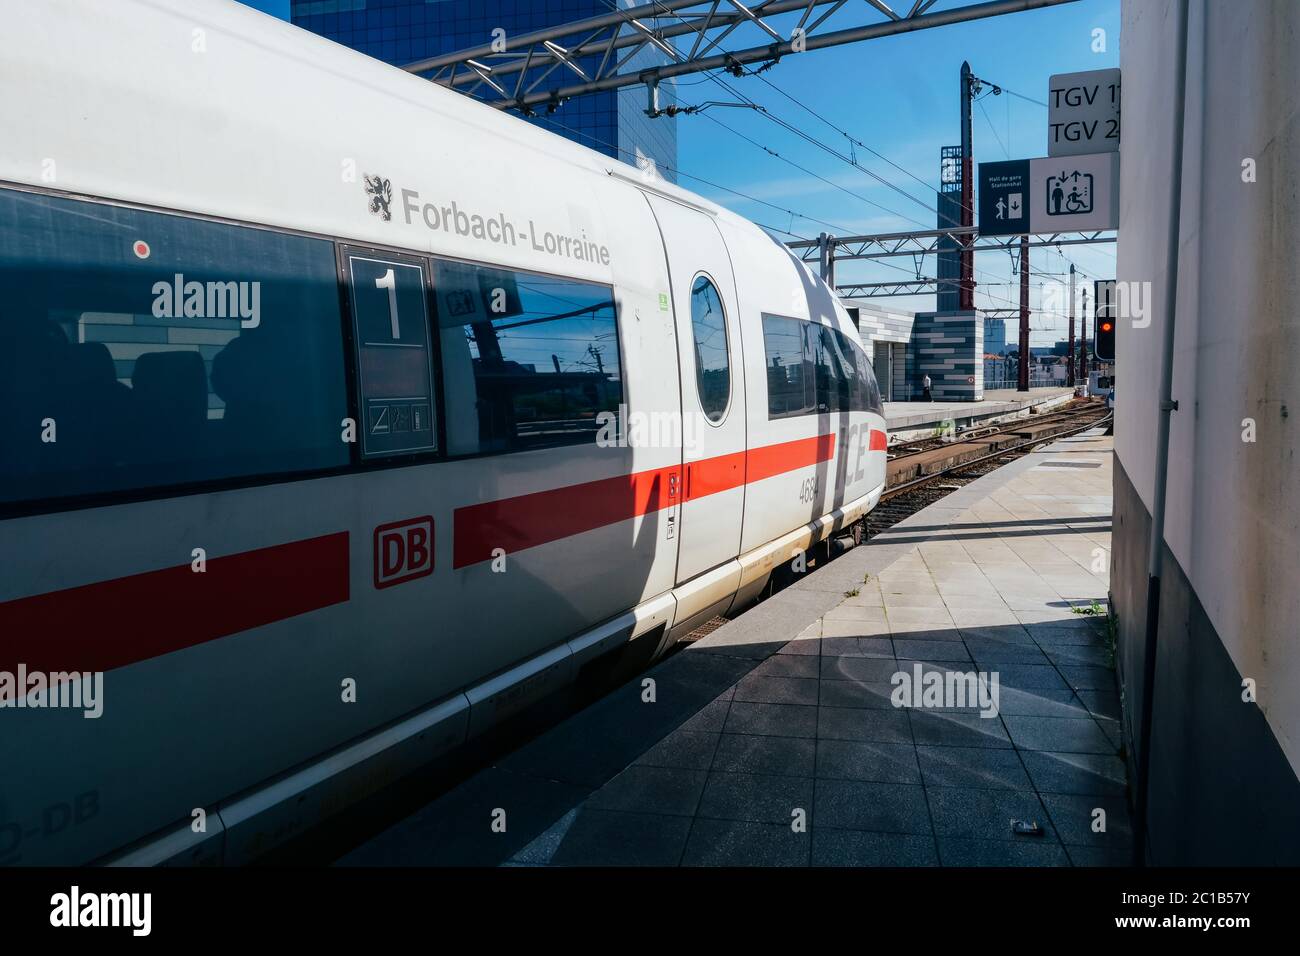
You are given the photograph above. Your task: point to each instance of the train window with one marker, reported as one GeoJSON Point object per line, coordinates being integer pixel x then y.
{"type": "Point", "coordinates": [712, 363]}
{"type": "Point", "coordinates": [789, 375]}
{"type": "Point", "coordinates": [866, 391]}
{"type": "Point", "coordinates": [394, 357]}
{"type": "Point", "coordinates": [142, 349]}
{"type": "Point", "coordinates": [528, 361]}
{"type": "Point", "coordinates": [832, 369]}
{"type": "Point", "coordinates": [812, 368]}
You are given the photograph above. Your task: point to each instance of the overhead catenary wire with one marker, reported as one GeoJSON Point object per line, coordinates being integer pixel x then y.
{"type": "Point", "coordinates": [848, 159]}
{"type": "Point", "coordinates": [890, 265]}
{"type": "Point", "coordinates": [714, 75]}
{"type": "Point", "coordinates": [851, 160]}
{"type": "Point", "coordinates": [700, 179]}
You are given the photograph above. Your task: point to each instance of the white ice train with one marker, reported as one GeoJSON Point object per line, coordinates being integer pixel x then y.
{"type": "Point", "coordinates": [305, 373]}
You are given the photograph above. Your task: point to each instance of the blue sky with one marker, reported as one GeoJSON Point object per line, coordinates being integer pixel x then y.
{"type": "Point", "coordinates": [899, 96]}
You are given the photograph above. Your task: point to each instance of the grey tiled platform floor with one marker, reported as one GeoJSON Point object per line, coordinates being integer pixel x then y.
{"type": "Point", "coordinates": [752, 731]}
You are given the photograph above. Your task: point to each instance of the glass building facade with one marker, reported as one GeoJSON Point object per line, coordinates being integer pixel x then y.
{"type": "Point", "coordinates": [403, 31]}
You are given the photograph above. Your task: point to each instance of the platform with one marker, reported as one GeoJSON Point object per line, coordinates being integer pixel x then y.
{"type": "Point", "coordinates": [907, 417]}
{"type": "Point", "coordinates": [774, 741]}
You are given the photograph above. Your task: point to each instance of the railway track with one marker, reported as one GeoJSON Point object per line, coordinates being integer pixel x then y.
{"type": "Point", "coordinates": [907, 449]}
{"type": "Point", "coordinates": [906, 498]}
{"type": "Point", "coordinates": [935, 457]}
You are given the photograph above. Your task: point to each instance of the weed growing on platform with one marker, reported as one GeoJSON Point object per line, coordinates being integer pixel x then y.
{"type": "Point", "coordinates": [1112, 639]}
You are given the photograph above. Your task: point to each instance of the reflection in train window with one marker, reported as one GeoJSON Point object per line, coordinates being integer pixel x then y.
{"type": "Point", "coordinates": [528, 361]}
{"type": "Point", "coordinates": [815, 369]}
{"type": "Point", "coordinates": [789, 375]}
{"type": "Point", "coordinates": [709, 328]}
{"type": "Point", "coordinates": [139, 350]}
{"type": "Point", "coordinates": [866, 390]}
{"type": "Point", "coordinates": [832, 368]}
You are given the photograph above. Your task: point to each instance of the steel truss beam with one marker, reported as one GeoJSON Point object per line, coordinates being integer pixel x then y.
{"type": "Point", "coordinates": [927, 242]}
{"type": "Point", "coordinates": [882, 289]}
{"type": "Point", "coordinates": [513, 73]}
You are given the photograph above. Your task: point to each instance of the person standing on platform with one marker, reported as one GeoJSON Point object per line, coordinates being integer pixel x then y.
{"type": "Point", "coordinates": [925, 389]}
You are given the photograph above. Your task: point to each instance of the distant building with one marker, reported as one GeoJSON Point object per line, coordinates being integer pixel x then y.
{"type": "Point", "coordinates": [886, 335]}
{"type": "Point", "coordinates": [403, 31]}
{"type": "Point", "coordinates": [995, 336]}
{"type": "Point", "coordinates": [1062, 347]}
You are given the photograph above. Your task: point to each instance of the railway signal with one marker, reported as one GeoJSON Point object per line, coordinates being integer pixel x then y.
{"type": "Point", "coordinates": [1104, 335]}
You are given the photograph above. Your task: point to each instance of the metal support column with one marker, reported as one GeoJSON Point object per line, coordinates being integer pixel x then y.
{"type": "Point", "coordinates": [1069, 352]}
{"type": "Point", "coordinates": [826, 258]}
{"type": "Point", "coordinates": [1022, 382]}
{"type": "Point", "coordinates": [1083, 340]}
{"type": "Point", "coordinates": [966, 294]}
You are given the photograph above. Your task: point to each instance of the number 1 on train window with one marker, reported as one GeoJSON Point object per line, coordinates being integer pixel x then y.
{"type": "Point", "coordinates": [394, 354]}
{"type": "Point", "coordinates": [386, 281]}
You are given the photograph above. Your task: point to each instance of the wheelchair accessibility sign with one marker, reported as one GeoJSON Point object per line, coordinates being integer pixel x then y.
{"type": "Point", "coordinates": [1049, 194]}
{"type": "Point", "coordinates": [1074, 193]}
{"type": "Point", "coordinates": [1069, 193]}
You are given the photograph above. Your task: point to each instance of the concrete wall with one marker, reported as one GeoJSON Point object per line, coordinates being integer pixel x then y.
{"type": "Point", "coordinates": [877, 323]}
{"type": "Point", "coordinates": [887, 331]}
{"type": "Point", "coordinates": [1224, 785]}
{"type": "Point", "coordinates": [949, 347]}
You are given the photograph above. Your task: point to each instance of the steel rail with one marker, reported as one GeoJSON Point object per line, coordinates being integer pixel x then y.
{"type": "Point", "coordinates": [926, 479]}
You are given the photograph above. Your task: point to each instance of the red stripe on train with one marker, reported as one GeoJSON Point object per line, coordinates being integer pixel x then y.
{"type": "Point", "coordinates": [526, 521]}
{"type": "Point", "coordinates": [772, 460]}
{"type": "Point", "coordinates": [109, 624]}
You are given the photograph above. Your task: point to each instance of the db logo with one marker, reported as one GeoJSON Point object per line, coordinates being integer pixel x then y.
{"type": "Point", "coordinates": [403, 551]}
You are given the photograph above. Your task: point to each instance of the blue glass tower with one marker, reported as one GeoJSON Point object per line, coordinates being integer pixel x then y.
{"type": "Point", "coordinates": [403, 31]}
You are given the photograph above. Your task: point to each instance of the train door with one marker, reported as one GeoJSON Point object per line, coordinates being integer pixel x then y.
{"type": "Point", "coordinates": [707, 322]}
